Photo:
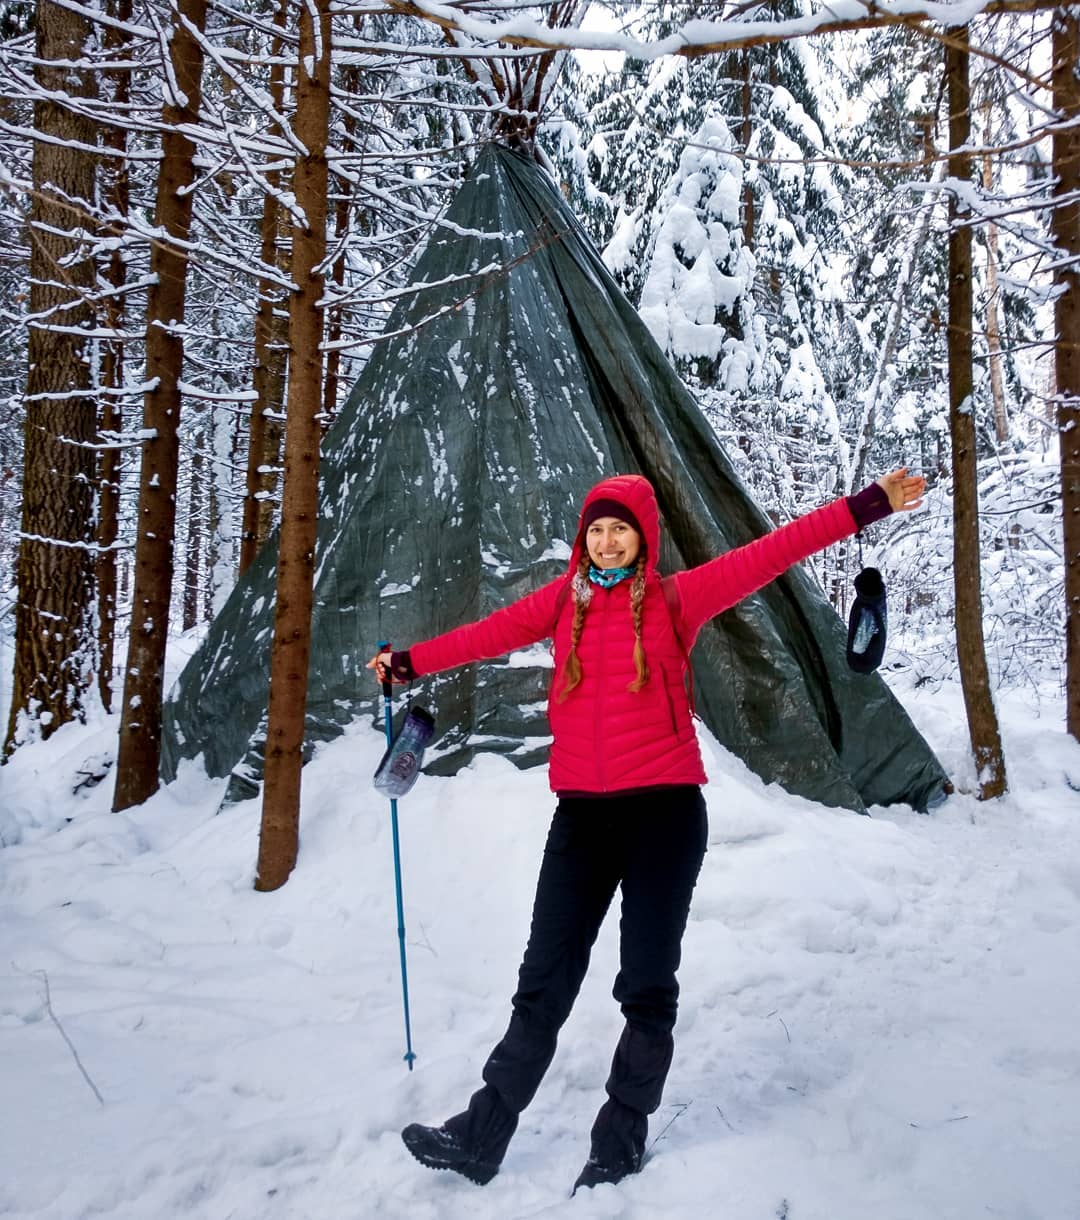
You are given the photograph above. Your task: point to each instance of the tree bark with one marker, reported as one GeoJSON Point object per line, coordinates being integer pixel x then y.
{"type": "Point", "coordinates": [54, 636]}
{"type": "Point", "coordinates": [194, 545]}
{"type": "Point", "coordinates": [299, 508]}
{"type": "Point", "coordinates": [993, 329]}
{"type": "Point", "coordinates": [140, 727]}
{"type": "Point", "coordinates": [264, 435]}
{"type": "Point", "coordinates": [117, 198]}
{"type": "Point", "coordinates": [351, 82]}
{"type": "Point", "coordinates": [993, 334]}
{"type": "Point", "coordinates": [1066, 153]}
{"type": "Point", "coordinates": [337, 278]}
{"type": "Point", "coordinates": [970, 645]}
{"type": "Point", "coordinates": [746, 135]}
{"type": "Point", "coordinates": [219, 565]}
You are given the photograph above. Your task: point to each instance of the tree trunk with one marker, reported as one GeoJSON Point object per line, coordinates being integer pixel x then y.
{"type": "Point", "coordinates": [351, 82]}
{"type": "Point", "coordinates": [54, 648]}
{"type": "Point", "coordinates": [1066, 48]}
{"type": "Point", "coordinates": [746, 135]}
{"type": "Point", "coordinates": [337, 278]}
{"type": "Point", "coordinates": [993, 329]}
{"type": "Point", "coordinates": [264, 436]}
{"type": "Point", "coordinates": [272, 423]}
{"type": "Point", "coordinates": [140, 726]}
{"type": "Point", "coordinates": [299, 506]}
{"type": "Point", "coordinates": [117, 197]}
{"type": "Point", "coordinates": [194, 544]}
{"type": "Point", "coordinates": [993, 333]}
{"type": "Point", "coordinates": [220, 527]}
{"type": "Point", "coordinates": [970, 646]}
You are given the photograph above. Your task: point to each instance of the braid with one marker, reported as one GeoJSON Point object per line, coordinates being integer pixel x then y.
{"type": "Point", "coordinates": [582, 595]}
{"type": "Point", "coordinates": [637, 601]}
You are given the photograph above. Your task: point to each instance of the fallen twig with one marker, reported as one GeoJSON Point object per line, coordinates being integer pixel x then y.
{"type": "Point", "coordinates": [63, 1032]}
{"type": "Point", "coordinates": [681, 1107]}
{"type": "Point", "coordinates": [959, 1118]}
{"type": "Point", "coordinates": [775, 1013]}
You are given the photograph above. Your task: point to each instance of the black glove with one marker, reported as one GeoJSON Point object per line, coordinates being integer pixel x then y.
{"type": "Point", "coordinates": [866, 627]}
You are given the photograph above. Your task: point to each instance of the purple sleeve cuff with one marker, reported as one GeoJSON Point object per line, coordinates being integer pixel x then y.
{"type": "Point", "coordinates": [869, 505]}
{"type": "Point", "coordinates": [401, 666]}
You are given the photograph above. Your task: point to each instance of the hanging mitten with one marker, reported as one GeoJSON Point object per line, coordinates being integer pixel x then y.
{"type": "Point", "coordinates": [866, 627]}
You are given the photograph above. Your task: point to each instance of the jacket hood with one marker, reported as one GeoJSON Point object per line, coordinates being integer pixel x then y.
{"type": "Point", "coordinates": [636, 492]}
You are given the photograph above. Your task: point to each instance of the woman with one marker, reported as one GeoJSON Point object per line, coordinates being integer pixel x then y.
{"type": "Point", "coordinates": [627, 770]}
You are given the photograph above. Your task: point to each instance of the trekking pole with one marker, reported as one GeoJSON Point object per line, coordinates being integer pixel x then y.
{"type": "Point", "coordinates": [388, 694]}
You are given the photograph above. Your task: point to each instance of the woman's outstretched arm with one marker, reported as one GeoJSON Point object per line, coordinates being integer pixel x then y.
{"type": "Point", "coordinates": [713, 587]}
{"type": "Point", "coordinates": [526, 621]}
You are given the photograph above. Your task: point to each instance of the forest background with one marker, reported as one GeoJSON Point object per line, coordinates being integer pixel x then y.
{"type": "Point", "coordinates": [854, 232]}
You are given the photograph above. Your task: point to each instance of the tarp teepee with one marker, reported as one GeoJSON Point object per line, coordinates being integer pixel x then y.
{"type": "Point", "coordinates": [451, 485]}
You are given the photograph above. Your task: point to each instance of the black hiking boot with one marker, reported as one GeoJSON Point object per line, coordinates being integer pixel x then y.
{"type": "Point", "coordinates": [617, 1146]}
{"type": "Point", "coordinates": [438, 1148]}
{"type": "Point", "coordinates": [596, 1173]}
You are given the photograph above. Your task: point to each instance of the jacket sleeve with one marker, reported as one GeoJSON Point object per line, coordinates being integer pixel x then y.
{"type": "Point", "coordinates": [526, 621]}
{"type": "Point", "coordinates": [715, 586]}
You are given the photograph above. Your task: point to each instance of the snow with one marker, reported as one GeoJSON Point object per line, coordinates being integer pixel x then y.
{"type": "Point", "coordinates": [396, 589]}
{"type": "Point", "coordinates": [557, 548]}
{"type": "Point", "coordinates": [697, 272]}
{"type": "Point", "coordinates": [535, 656]}
{"type": "Point", "coordinates": [878, 1014]}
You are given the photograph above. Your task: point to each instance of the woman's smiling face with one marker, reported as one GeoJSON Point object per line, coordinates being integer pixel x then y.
{"type": "Point", "coordinates": [612, 543]}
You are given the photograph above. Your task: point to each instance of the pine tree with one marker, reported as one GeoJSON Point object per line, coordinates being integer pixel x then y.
{"type": "Point", "coordinates": [1066, 228]}
{"type": "Point", "coordinates": [971, 649]}
{"type": "Point", "coordinates": [117, 195]}
{"type": "Point", "coordinates": [139, 752]}
{"type": "Point", "coordinates": [54, 626]}
{"type": "Point", "coordinates": [278, 840]}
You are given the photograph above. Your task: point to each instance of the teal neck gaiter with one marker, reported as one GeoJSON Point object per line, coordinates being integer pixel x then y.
{"type": "Point", "coordinates": [606, 578]}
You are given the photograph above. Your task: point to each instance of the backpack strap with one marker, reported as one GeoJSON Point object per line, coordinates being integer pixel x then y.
{"type": "Point", "coordinates": [674, 609]}
{"type": "Point", "coordinates": [674, 606]}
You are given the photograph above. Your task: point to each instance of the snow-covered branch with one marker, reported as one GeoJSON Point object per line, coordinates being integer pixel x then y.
{"type": "Point", "coordinates": [698, 37]}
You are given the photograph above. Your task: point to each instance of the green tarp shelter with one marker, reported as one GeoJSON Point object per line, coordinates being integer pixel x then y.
{"type": "Point", "coordinates": [511, 377]}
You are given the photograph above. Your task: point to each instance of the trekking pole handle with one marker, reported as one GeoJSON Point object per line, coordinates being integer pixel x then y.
{"type": "Point", "coordinates": [387, 682]}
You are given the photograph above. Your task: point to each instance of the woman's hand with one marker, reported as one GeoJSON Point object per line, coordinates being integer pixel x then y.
{"type": "Point", "coordinates": [380, 663]}
{"type": "Point", "coordinates": [905, 491]}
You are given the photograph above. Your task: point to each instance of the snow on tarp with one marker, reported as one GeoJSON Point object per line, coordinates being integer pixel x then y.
{"type": "Point", "coordinates": [451, 483]}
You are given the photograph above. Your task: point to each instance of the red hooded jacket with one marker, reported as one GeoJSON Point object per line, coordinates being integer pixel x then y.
{"type": "Point", "coordinates": [607, 738]}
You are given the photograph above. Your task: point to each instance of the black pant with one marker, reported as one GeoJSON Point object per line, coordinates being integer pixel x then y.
{"type": "Point", "coordinates": [651, 844]}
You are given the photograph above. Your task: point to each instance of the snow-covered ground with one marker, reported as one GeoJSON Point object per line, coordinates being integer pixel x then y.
{"type": "Point", "coordinates": [879, 1015]}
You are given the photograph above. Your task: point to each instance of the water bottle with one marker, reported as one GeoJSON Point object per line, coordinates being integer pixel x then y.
{"type": "Point", "coordinates": [400, 765]}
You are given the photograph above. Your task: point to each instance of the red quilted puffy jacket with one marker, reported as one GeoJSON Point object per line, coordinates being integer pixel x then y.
{"type": "Point", "coordinates": [607, 738]}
